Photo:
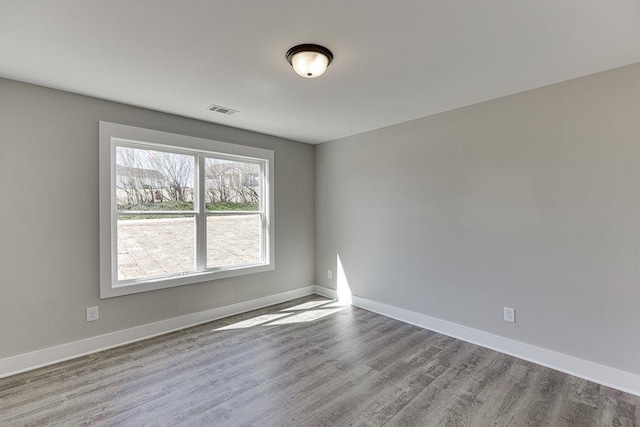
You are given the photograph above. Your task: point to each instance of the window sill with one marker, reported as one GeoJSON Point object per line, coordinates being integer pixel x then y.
{"type": "Point", "coordinates": [187, 279]}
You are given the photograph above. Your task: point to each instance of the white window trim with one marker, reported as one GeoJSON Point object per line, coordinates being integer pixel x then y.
{"type": "Point", "coordinates": [108, 133]}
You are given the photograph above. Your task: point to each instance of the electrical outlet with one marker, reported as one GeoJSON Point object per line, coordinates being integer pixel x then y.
{"type": "Point", "coordinates": [92, 314]}
{"type": "Point", "coordinates": [510, 315]}
{"type": "Point", "coordinates": [329, 274]}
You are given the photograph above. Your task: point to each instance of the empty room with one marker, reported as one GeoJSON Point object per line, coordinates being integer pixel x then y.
{"type": "Point", "coordinates": [335, 213]}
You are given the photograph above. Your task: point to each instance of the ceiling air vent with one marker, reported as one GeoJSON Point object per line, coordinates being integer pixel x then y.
{"type": "Point", "coordinates": [222, 110]}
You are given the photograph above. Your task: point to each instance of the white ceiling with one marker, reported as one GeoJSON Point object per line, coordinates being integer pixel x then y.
{"type": "Point", "coordinates": [394, 60]}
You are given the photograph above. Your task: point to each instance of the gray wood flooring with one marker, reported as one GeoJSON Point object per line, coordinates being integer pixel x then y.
{"type": "Point", "coordinates": [307, 362]}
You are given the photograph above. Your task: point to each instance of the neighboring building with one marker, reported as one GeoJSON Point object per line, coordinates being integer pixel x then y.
{"type": "Point", "coordinates": [233, 183]}
{"type": "Point", "coordinates": [136, 186]}
{"type": "Point", "coordinates": [139, 178]}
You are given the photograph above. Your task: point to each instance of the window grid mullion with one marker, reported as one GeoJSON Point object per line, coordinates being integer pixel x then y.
{"type": "Point", "coordinates": [201, 217]}
{"type": "Point", "coordinates": [158, 213]}
{"type": "Point", "coordinates": [113, 209]}
{"type": "Point", "coordinates": [264, 206]}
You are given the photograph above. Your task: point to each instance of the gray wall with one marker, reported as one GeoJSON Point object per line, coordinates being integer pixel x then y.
{"type": "Point", "coordinates": [530, 201]}
{"type": "Point", "coordinates": [49, 220]}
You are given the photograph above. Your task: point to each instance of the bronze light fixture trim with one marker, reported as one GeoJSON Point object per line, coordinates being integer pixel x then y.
{"type": "Point", "coordinates": [309, 60]}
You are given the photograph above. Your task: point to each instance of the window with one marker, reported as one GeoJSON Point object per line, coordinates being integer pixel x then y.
{"type": "Point", "coordinates": [176, 210]}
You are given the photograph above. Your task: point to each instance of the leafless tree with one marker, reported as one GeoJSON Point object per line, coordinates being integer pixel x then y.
{"type": "Point", "coordinates": [131, 179]}
{"type": "Point", "coordinates": [145, 177]}
{"type": "Point", "coordinates": [178, 173]}
{"type": "Point", "coordinates": [228, 181]}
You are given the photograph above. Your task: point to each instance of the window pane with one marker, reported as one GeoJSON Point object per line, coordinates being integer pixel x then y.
{"type": "Point", "coordinates": [154, 180]}
{"type": "Point", "coordinates": [151, 247]}
{"type": "Point", "coordinates": [232, 185]}
{"type": "Point", "coordinates": [233, 239]}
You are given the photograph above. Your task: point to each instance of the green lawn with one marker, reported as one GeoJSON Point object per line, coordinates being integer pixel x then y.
{"type": "Point", "coordinates": [183, 206]}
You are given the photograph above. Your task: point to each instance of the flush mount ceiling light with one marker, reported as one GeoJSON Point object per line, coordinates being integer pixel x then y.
{"type": "Point", "coordinates": [309, 60]}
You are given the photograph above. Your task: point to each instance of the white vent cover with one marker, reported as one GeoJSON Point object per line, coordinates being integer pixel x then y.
{"type": "Point", "coordinates": [222, 110]}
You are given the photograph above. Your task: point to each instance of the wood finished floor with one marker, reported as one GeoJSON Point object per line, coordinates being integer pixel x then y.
{"type": "Point", "coordinates": [286, 365]}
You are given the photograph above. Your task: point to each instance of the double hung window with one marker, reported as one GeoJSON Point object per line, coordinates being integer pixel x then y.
{"type": "Point", "coordinates": [177, 210]}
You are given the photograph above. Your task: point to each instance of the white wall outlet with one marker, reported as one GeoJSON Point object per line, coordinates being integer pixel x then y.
{"type": "Point", "coordinates": [510, 315]}
{"type": "Point", "coordinates": [92, 314]}
{"type": "Point", "coordinates": [329, 274]}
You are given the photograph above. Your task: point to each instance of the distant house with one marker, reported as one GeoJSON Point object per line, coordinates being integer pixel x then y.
{"type": "Point", "coordinates": [138, 185]}
{"type": "Point", "coordinates": [234, 176]}
{"type": "Point", "coordinates": [232, 183]}
{"type": "Point", "coordinates": [139, 177]}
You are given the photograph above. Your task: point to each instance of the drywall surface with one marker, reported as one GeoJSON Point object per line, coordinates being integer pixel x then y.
{"type": "Point", "coordinates": [49, 220]}
{"type": "Point", "coordinates": [531, 201]}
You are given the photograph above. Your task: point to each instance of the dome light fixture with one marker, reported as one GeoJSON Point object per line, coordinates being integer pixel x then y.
{"type": "Point", "coordinates": [309, 60]}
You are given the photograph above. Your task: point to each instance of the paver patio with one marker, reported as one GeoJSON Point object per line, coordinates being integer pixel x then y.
{"type": "Point", "coordinates": [156, 247]}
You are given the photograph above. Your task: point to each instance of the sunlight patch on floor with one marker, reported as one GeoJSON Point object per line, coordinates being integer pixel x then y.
{"type": "Point", "coordinates": [265, 318]}
{"type": "Point", "coordinates": [307, 305]}
{"type": "Point", "coordinates": [336, 304]}
{"type": "Point", "coordinates": [305, 312]}
{"type": "Point", "coordinates": [306, 316]}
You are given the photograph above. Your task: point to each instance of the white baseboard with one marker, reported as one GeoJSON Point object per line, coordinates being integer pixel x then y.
{"type": "Point", "coordinates": [605, 375]}
{"type": "Point", "coordinates": [326, 292]}
{"type": "Point", "coordinates": [49, 356]}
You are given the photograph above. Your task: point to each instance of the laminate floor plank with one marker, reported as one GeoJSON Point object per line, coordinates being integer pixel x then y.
{"type": "Point", "coordinates": [307, 362]}
{"type": "Point", "coordinates": [442, 397]}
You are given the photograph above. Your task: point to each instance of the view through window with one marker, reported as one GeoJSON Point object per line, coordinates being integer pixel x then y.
{"type": "Point", "coordinates": [179, 212]}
